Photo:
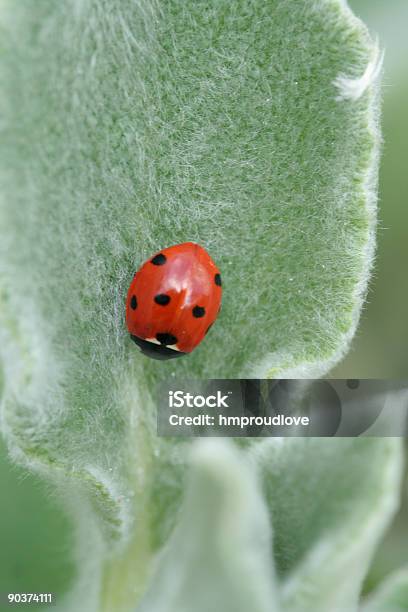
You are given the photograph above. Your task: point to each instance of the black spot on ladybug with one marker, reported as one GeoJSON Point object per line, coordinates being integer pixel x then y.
{"type": "Point", "coordinates": [166, 338]}
{"type": "Point", "coordinates": [159, 260]}
{"type": "Point", "coordinates": [133, 302]}
{"type": "Point", "coordinates": [156, 351]}
{"type": "Point", "coordinates": [217, 279]}
{"type": "Point", "coordinates": [162, 299]}
{"type": "Point", "coordinates": [208, 328]}
{"type": "Point", "coordinates": [198, 312]}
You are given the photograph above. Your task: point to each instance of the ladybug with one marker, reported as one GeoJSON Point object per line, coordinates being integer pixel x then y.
{"type": "Point", "coordinates": [173, 300]}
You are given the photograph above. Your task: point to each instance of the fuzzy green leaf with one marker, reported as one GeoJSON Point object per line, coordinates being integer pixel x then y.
{"type": "Point", "coordinates": [330, 501]}
{"type": "Point", "coordinates": [219, 556]}
{"type": "Point", "coordinates": [126, 126]}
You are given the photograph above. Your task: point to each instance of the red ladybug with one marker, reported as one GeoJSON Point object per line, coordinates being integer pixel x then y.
{"type": "Point", "coordinates": [173, 300]}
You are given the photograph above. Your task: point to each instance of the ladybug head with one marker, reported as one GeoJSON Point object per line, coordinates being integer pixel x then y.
{"type": "Point", "coordinates": [156, 351]}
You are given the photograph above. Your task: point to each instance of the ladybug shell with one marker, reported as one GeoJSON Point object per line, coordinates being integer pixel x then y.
{"type": "Point", "coordinates": [173, 300]}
